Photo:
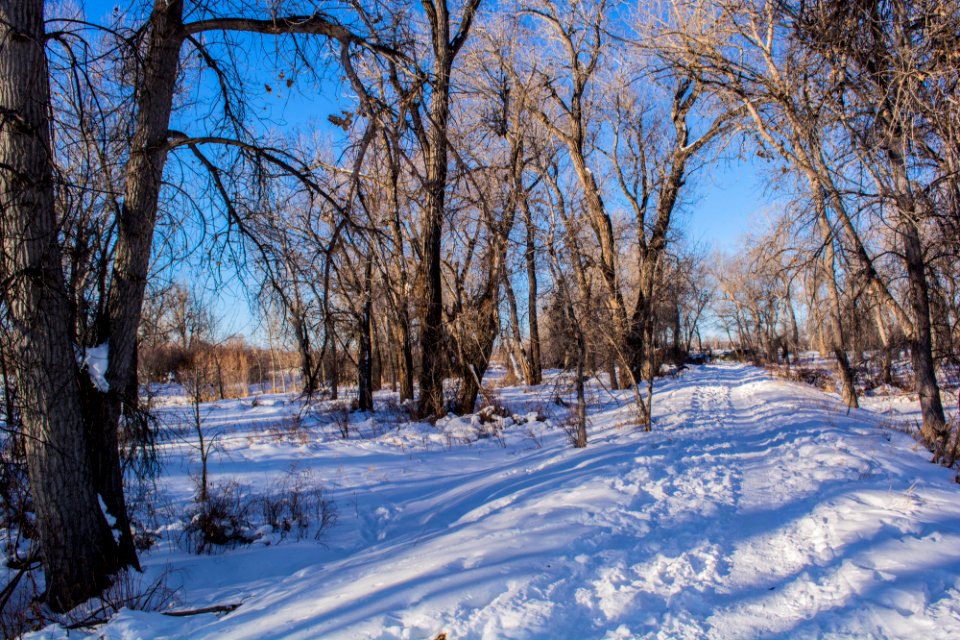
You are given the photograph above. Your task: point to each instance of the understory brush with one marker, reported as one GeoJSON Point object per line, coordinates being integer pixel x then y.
{"type": "Point", "coordinates": [297, 503]}
{"type": "Point", "coordinates": [296, 506]}
{"type": "Point", "coordinates": [220, 519]}
{"type": "Point", "coordinates": [291, 428]}
{"type": "Point", "coordinates": [23, 610]}
{"type": "Point", "coordinates": [818, 377]}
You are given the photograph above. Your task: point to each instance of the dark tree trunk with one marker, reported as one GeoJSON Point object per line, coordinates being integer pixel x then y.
{"type": "Point", "coordinates": [934, 425]}
{"type": "Point", "coordinates": [364, 345]}
{"type": "Point", "coordinates": [679, 357]}
{"type": "Point", "coordinates": [432, 336]}
{"type": "Point", "coordinates": [304, 348]}
{"type": "Point", "coordinates": [886, 349]}
{"type": "Point", "coordinates": [376, 373]}
{"type": "Point", "coordinates": [838, 340]}
{"type": "Point", "coordinates": [78, 551]}
{"type": "Point", "coordinates": [535, 375]}
{"type": "Point", "coordinates": [474, 347]}
{"type": "Point", "coordinates": [404, 357]}
{"type": "Point", "coordinates": [119, 324]}
{"type": "Point", "coordinates": [612, 371]}
{"type": "Point", "coordinates": [519, 354]}
{"type": "Point", "coordinates": [580, 437]}
{"type": "Point", "coordinates": [333, 374]}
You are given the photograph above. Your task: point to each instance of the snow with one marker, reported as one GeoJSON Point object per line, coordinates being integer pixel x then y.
{"type": "Point", "coordinates": [95, 360]}
{"type": "Point", "coordinates": [111, 521]}
{"type": "Point", "coordinates": [755, 508]}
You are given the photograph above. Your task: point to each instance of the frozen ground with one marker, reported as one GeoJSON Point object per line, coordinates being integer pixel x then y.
{"type": "Point", "coordinates": [756, 508]}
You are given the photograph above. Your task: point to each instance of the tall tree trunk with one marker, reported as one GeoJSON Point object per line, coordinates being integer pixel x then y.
{"type": "Point", "coordinates": [580, 437]}
{"type": "Point", "coordinates": [475, 346]}
{"type": "Point", "coordinates": [794, 341]}
{"type": "Point", "coordinates": [404, 355]}
{"type": "Point", "coordinates": [305, 351]}
{"type": "Point", "coordinates": [376, 370]}
{"type": "Point", "coordinates": [612, 370]}
{"type": "Point", "coordinates": [519, 355]}
{"type": "Point", "coordinates": [432, 337]}
{"type": "Point", "coordinates": [838, 342]}
{"type": "Point", "coordinates": [934, 427]}
{"type": "Point", "coordinates": [78, 550]}
{"type": "Point", "coordinates": [535, 375]}
{"type": "Point", "coordinates": [364, 346]}
{"type": "Point", "coordinates": [678, 355]}
{"type": "Point", "coordinates": [886, 355]}
{"type": "Point", "coordinates": [138, 213]}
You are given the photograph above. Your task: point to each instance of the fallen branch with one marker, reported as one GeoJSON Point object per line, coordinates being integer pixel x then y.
{"type": "Point", "coordinates": [218, 608]}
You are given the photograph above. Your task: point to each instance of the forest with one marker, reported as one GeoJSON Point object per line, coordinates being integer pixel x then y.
{"type": "Point", "coordinates": [465, 201]}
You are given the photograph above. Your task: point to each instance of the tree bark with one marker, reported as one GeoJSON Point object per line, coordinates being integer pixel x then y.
{"type": "Point", "coordinates": [432, 335]}
{"type": "Point", "coordinates": [934, 426]}
{"type": "Point", "coordinates": [475, 346]}
{"type": "Point", "coordinates": [535, 375]}
{"type": "Point", "coordinates": [838, 341]}
{"type": "Point", "coordinates": [364, 345]}
{"type": "Point", "coordinates": [520, 355]}
{"type": "Point", "coordinates": [119, 324]}
{"type": "Point", "coordinates": [79, 553]}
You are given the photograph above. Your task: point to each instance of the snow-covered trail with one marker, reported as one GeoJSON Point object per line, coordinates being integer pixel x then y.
{"type": "Point", "coordinates": [756, 508]}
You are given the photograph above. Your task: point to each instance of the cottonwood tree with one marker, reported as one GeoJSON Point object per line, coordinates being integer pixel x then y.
{"type": "Point", "coordinates": [893, 74]}
{"type": "Point", "coordinates": [447, 36]}
{"type": "Point", "coordinates": [79, 552]}
{"type": "Point", "coordinates": [850, 96]}
{"type": "Point", "coordinates": [74, 432]}
{"type": "Point", "coordinates": [508, 89]}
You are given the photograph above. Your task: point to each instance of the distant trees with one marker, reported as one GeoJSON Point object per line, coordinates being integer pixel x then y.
{"type": "Point", "coordinates": [852, 99]}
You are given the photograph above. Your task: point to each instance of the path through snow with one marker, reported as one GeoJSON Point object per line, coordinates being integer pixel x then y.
{"type": "Point", "coordinates": [756, 508]}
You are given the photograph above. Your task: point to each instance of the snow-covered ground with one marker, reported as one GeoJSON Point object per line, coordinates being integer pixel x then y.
{"type": "Point", "coordinates": [755, 508]}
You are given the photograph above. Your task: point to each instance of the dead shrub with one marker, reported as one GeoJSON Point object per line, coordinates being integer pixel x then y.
{"type": "Point", "coordinates": [569, 423]}
{"type": "Point", "coordinates": [340, 418]}
{"type": "Point", "coordinates": [815, 377]}
{"type": "Point", "coordinates": [296, 504]}
{"type": "Point", "coordinates": [222, 520]}
{"type": "Point", "coordinates": [22, 610]}
{"type": "Point", "coordinates": [291, 428]}
{"type": "Point", "coordinates": [130, 590]}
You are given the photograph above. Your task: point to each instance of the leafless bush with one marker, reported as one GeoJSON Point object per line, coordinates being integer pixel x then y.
{"type": "Point", "coordinates": [149, 512]}
{"type": "Point", "coordinates": [291, 428]}
{"type": "Point", "coordinates": [130, 590]}
{"type": "Point", "coordinates": [340, 418]}
{"type": "Point", "coordinates": [569, 423]}
{"type": "Point", "coordinates": [222, 520]}
{"type": "Point", "coordinates": [296, 504]}
{"type": "Point", "coordinates": [396, 411]}
{"type": "Point", "coordinates": [813, 376]}
{"type": "Point", "coordinates": [22, 611]}
{"type": "Point", "coordinates": [535, 437]}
